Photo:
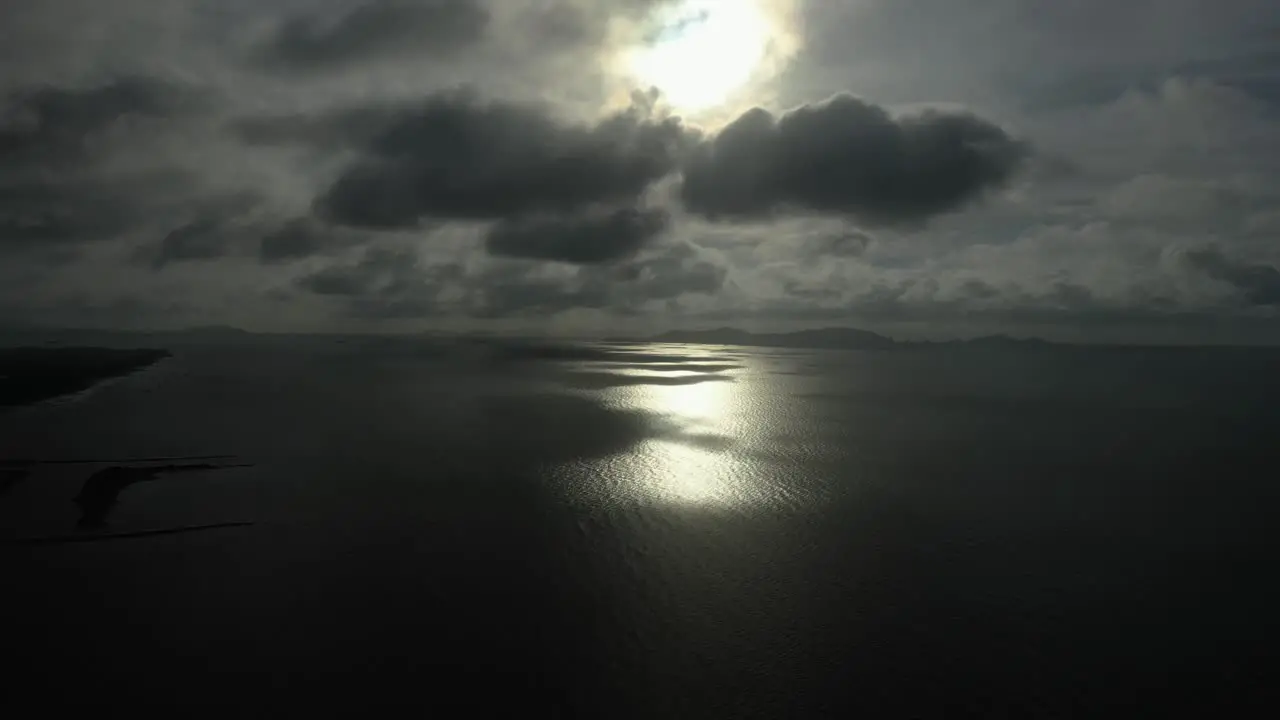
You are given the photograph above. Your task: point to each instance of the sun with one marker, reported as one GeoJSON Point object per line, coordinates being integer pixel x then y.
{"type": "Point", "coordinates": [700, 51]}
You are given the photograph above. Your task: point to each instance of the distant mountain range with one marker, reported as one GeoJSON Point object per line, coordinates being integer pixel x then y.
{"type": "Point", "coordinates": [837, 338]}
{"type": "Point", "coordinates": [832, 338]}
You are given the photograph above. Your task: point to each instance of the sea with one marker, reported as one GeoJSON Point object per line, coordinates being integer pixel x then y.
{"type": "Point", "coordinates": [644, 530]}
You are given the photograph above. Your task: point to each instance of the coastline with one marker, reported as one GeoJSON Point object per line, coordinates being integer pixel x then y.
{"type": "Point", "coordinates": [29, 375]}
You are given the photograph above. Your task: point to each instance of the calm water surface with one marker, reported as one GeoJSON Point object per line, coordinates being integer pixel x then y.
{"type": "Point", "coordinates": [656, 531]}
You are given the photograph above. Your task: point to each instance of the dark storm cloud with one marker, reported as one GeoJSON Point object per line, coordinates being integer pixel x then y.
{"type": "Point", "coordinates": [45, 126]}
{"type": "Point", "coordinates": [55, 143]}
{"type": "Point", "coordinates": [350, 280]}
{"type": "Point", "coordinates": [197, 240]}
{"type": "Point", "coordinates": [389, 284]}
{"type": "Point", "coordinates": [374, 30]}
{"type": "Point", "coordinates": [665, 274]}
{"type": "Point", "coordinates": [337, 130]}
{"type": "Point", "coordinates": [513, 291]}
{"type": "Point", "coordinates": [62, 212]}
{"type": "Point", "coordinates": [213, 232]}
{"type": "Point", "coordinates": [975, 289]}
{"type": "Point", "coordinates": [591, 237]}
{"type": "Point", "coordinates": [301, 238]}
{"type": "Point", "coordinates": [385, 284]}
{"type": "Point", "coordinates": [1258, 284]}
{"type": "Point", "coordinates": [678, 270]}
{"type": "Point", "coordinates": [73, 210]}
{"type": "Point", "coordinates": [849, 157]}
{"type": "Point", "coordinates": [456, 157]}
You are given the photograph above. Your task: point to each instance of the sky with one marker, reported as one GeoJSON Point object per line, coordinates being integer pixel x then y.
{"type": "Point", "coordinates": [1095, 171]}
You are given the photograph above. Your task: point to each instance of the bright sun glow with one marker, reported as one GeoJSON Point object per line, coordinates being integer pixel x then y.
{"type": "Point", "coordinates": [702, 51]}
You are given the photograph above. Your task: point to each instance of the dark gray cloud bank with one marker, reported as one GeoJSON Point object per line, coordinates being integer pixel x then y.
{"type": "Point", "coordinates": [847, 156]}
{"type": "Point", "coordinates": [405, 164]}
{"type": "Point", "coordinates": [377, 30]}
{"type": "Point", "coordinates": [460, 158]}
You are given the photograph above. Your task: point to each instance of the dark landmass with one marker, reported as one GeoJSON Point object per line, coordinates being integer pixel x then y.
{"type": "Point", "coordinates": [130, 535]}
{"type": "Point", "coordinates": [27, 463]}
{"type": "Point", "coordinates": [853, 339]}
{"type": "Point", "coordinates": [844, 338]}
{"type": "Point", "coordinates": [102, 490]}
{"type": "Point", "coordinates": [836, 339]}
{"type": "Point", "coordinates": [832, 338]}
{"type": "Point", "coordinates": [32, 374]}
{"type": "Point", "coordinates": [996, 342]}
{"type": "Point", "coordinates": [214, 332]}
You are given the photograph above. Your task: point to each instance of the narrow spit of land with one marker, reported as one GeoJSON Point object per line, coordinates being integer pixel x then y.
{"type": "Point", "coordinates": [32, 374]}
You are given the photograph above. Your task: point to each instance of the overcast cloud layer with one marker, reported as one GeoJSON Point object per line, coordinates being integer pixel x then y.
{"type": "Point", "coordinates": [1088, 170]}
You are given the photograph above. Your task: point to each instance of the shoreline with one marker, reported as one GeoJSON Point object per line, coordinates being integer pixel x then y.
{"type": "Point", "coordinates": [29, 375]}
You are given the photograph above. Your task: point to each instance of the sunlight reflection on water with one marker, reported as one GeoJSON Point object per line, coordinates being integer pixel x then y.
{"type": "Point", "coordinates": [691, 458]}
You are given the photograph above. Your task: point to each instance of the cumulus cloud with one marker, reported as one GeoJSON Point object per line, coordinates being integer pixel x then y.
{"type": "Point", "coordinates": [373, 30]}
{"type": "Point", "coordinates": [458, 157]}
{"type": "Point", "coordinates": [90, 164]}
{"type": "Point", "coordinates": [57, 184]}
{"type": "Point", "coordinates": [376, 270]}
{"type": "Point", "coordinates": [591, 237]}
{"type": "Point", "coordinates": [663, 274]}
{"type": "Point", "coordinates": [397, 284]}
{"type": "Point", "coordinates": [301, 238]}
{"type": "Point", "coordinates": [77, 210]}
{"type": "Point", "coordinates": [850, 157]}
{"type": "Point", "coordinates": [331, 131]}
{"type": "Point", "coordinates": [43, 127]}
{"type": "Point", "coordinates": [384, 284]}
{"type": "Point", "coordinates": [215, 230]}
{"type": "Point", "coordinates": [197, 240]}
{"type": "Point", "coordinates": [1256, 283]}
{"type": "Point", "coordinates": [682, 269]}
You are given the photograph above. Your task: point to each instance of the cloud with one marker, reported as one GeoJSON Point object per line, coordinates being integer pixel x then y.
{"type": "Point", "coordinates": [456, 157]}
{"type": "Point", "coordinates": [374, 30]}
{"type": "Point", "coordinates": [197, 240]}
{"type": "Point", "coordinates": [385, 284]}
{"type": "Point", "coordinates": [849, 243]}
{"type": "Point", "coordinates": [397, 284]}
{"type": "Point", "coordinates": [562, 24]}
{"type": "Point", "coordinates": [340, 129]}
{"type": "Point", "coordinates": [1190, 129]}
{"type": "Point", "coordinates": [75, 210]}
{"type": "Point", "coordinates": [301, 238]}
{"type": "Point", "coordinates": [65, 172]}
{"type": "Point", "coordinates": [373, 272]}
{"type": "Point", "coordinates": [663, 274]}
{"type": "Point", "coordinates": [591, 237]}
{"type": "Point", "coordinates": [214, 230]}
{"type": "Point", "coordinates": [529, 290]}
{"type": "Point", "coordinates": [1154, 197]}
{"type": "Point", "coordinates": [849, 157]}
{"type": "Point", "coordinates": [530, 196]}
{"type": "Point", "coordinates": [679, 269]}
{"type": "Point", "coordinates": [43, 127]}
{"type": "Point", "coordinates": [1257, 283]}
